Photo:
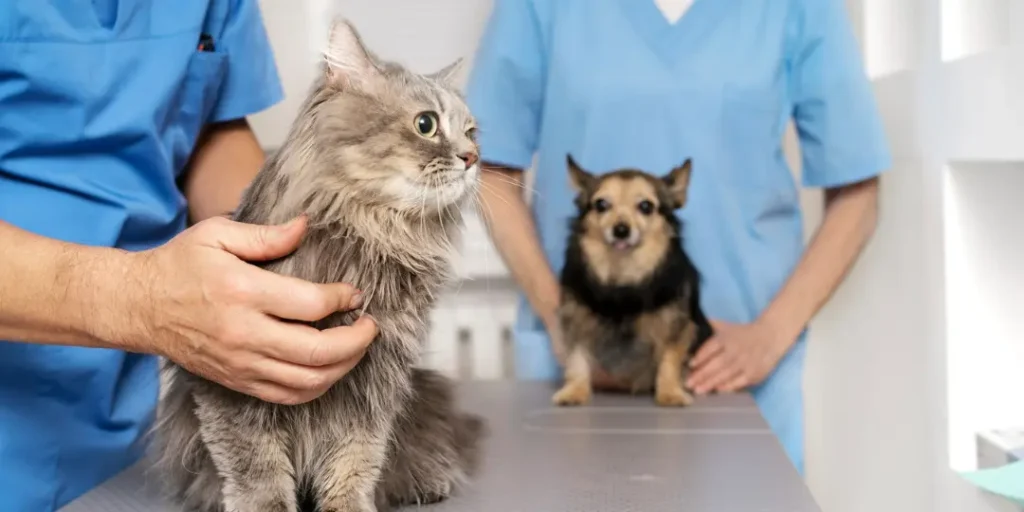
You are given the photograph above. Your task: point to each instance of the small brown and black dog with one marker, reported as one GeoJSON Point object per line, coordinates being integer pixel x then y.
{"type": "Point", "coordinates": [630, 295]}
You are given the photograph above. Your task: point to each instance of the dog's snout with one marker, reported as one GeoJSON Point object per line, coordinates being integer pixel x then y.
{"type": "Point", "coordinates": [620, 231]}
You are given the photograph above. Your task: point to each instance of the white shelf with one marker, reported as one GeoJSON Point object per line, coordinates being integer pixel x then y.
{"type": "Point", "coordinates": [890, 30]}
{"type": "Point", "coordinates": [984, 238]}
{"type": "Point", "coordinates": [975, 26]}
{"type": "Point", "coordinates": [982, 105]}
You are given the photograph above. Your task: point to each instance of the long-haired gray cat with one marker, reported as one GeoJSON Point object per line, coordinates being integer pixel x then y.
{"type": "Point", "coordinates": [380, 160]}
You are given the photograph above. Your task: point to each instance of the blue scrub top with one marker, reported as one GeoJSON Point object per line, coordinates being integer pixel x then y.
{"type": "Point", "coordinates": [100, 105]}
{"type": "Point", "coordinates": [616, 85]}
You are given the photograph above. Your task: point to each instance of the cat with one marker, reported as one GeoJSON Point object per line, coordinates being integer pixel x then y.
{"type": "Point", "coordinates": [380, 160]}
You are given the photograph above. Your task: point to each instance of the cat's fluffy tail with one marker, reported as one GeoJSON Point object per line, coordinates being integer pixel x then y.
{"type": "Point", "coordinates": [436, 447]}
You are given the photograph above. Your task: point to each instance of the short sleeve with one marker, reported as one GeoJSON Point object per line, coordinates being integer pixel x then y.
{"type": "Point", "coordinates": [842, 139]}
{"type": "Point", "coordinates": [506, 87]}
{"type": "Point", "coordinates": [251, 83]}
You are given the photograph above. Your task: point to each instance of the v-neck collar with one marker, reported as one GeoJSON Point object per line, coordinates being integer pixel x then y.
{"type": "Point", "coordinates": [663, 37]}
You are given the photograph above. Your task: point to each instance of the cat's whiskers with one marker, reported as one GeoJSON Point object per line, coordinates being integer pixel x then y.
{"type": "Point", "coordinates": [516, 183]}
{"type": "Point", "coordinates": [437, 199]}
{"type": "Point", "coordinates": [423, 209]}
{"type": "Point", "coordinates": [484, 210]}
{"type": "Point", "coordinates": [457, 207]}
{"type": "Point", "coordinates": [494, 192]}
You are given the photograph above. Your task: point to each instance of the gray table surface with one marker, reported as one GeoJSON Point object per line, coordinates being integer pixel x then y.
{"type": "Point", "coordinates": [620, 454]}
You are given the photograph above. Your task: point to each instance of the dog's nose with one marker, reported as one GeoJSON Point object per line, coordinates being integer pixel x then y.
{"type": "Point", "coordinates": [470, 158]}
{"type": "Point", "coordinates": [620, 231]}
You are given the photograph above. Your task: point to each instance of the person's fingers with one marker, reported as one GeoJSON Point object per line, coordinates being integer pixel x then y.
{"type": "Point", "coordinates": [706, 373]}
{"type": "Point", "coordinates": [359, 335]}
{"type": "Point", "coordinates": [291, 298]}
{"type": "Point", "coordinates": [738, 383]}
{"type": "Point", "coordinates": [710, 349]}
{"type": "Point", "coordinates": [721, 376]}
{"type": "Point", "coordinates": [252, 242]}
{"type": "Point", "coordinates": [273, 393]}
{"type": "Point", "coordinates": [302, 383]}
{"type": "Point", "coordinates": [306, 346]}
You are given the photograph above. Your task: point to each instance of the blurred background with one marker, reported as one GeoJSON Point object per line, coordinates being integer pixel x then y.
{"type": "Point", "coordinates": [919, 357]}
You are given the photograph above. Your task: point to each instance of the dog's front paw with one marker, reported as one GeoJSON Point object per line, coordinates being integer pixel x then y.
{"type": "Point", "coordinates": [673, 397]}
{"type": "Point", "coordinates": [572, 394]}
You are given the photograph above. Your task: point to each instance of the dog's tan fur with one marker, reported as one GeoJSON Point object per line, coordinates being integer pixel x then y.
{"type": "Point", "coordinates": [662, 336]}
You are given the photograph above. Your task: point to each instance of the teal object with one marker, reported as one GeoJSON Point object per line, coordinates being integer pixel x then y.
{"type": "Point", "coordinates": [614, 84]}
{"type": "Point", "coordinates": [101, 102]}
{"type": "Point", "coordinates": [1006, 481]}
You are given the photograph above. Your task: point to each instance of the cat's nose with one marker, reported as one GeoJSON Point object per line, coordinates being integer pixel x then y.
{"type": "Point", "coordinates": [470, 158]}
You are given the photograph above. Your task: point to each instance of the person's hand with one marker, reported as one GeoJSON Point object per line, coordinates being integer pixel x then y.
{"type": "Point", "coordinates": [202, 306]}
{"type": "Point", "coordinates": [736, 357]}
{"type": "Point", "coordinates": [556, 338]}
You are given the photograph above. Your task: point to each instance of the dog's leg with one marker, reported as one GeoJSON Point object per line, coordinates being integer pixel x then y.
{"type": "Point", "coordinates": [577, 389]}
{"type": "Point", "coordinates": [251, 459]}
{"type": "Point", "coordinates": [668, 388]}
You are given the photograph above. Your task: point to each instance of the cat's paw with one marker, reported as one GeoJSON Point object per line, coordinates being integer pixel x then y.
{"type": "Point", "coordinates": [673, 397]}
{"type": "Point", "coordinates": [437, 492]}
{"type": "Point", "coordinates": [572, 394]}
{"type": "Point", "coordinates": [352, 507]}
{"type": "Point", "coordinates": [430, 498]}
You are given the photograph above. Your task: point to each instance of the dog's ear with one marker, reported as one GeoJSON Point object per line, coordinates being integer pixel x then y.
{"type": "Point", "coordinates": [582, 181]}
{"type": "Point", "coordinates": [678, 182]}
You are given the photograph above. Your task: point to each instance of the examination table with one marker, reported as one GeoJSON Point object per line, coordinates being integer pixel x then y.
{"type": "Point", "coordinates": [619, 454]}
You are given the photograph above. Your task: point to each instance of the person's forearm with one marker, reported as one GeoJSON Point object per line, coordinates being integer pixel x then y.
{"type": "Point", "coordinates": [512, 228]}
{"type": "Point", "coordinates": [226, 159]}
{"type": "Point", "coordinates": [851, 214]}
{"type": "Point", "coordinates": [53, 292]}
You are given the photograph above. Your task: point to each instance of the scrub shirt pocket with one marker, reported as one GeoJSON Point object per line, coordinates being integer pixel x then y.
{"type": "Point", "coordinates": [751, 127]}
{"type": "Point", "coordinates": [200, 92]}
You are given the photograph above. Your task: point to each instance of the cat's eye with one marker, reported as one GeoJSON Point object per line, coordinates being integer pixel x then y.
{"type": "Point", "coordinates": [646, 207]}
{"type": "Point", "coordinates": [601, 205]}
{"type": "Point", "coordinates": [426, 124]}
{"type": "Point", "coordinates": [471, 133]}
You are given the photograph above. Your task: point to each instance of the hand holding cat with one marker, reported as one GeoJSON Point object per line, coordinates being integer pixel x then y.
{"type": "Point", "coordinates": [231, 322]}
{"type": "Point", "coordinates": [736, 357]}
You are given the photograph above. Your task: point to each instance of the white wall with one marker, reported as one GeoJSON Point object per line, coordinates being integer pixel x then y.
{"type": "Point", "coordinates": [899, 386]}
{"type": "Point", "coordinates": [893, 379]}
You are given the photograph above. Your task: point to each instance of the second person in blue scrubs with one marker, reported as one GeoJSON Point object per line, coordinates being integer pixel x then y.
{"type": "Point", "coordinates": [617, 84]}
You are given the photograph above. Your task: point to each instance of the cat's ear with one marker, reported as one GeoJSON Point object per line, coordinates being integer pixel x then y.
{"type": "Point", "coordinates": [449, 73]}
{"type": "Point", "coordinates": [582, 181]}
{"type": "Point", "coordinates": [678, 182]}
{"type": "Point", "coordinates": [348, 62]}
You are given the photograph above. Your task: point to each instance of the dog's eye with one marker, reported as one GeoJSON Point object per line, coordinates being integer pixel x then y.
{"type": "Point", "coordinates": [646, 207]}
{"type": "Point", "coordinates": [601, 205]}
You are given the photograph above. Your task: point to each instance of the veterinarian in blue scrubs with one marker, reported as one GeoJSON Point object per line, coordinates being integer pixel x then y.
{"type": "Point", "coordinates": [624, 83]}
{"type": "Point", "coordinates": [101, 104]}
